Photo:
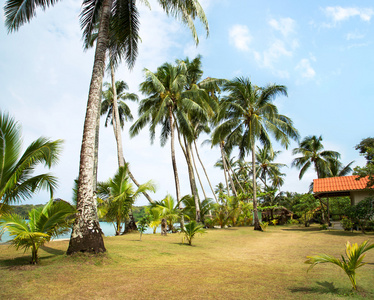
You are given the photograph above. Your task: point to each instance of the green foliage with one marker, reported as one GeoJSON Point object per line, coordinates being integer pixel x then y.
{"type": "Point", "coordinates": [355, 255]}
{"type": "Point", "coordinates": [168, 209]}
{"type": "Point", "coordinates": [362, 212]}
{"type": "Point", "coordinates": [292, 222]}
{"type": "Point", "coordinates": [313, 155]}
{"type": "Point", "coordinates": [347, 224]}
{"type": "Point", "coordinates": [324, 227]}
{"type": "Point", "coordinates": [274, 221]}
{"type": "Point", "coordinates": [45, 222]}
{"type": "Point", "coordinates": [16, 169]}
{"type": "Point", "coordinates": [142, 225]}
{"type": "Point", "coordinates": [264, 225]}
{"type": "Point", "coordinates": [117, 195]}
{"type": "Point", "coordinates": [366, 148]}
{"type": "Point", "coordinates": [304, 209]}
{"type": "Point", "coordinates": [191, 229]}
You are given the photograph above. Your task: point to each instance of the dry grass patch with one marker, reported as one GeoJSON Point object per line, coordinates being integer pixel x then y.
{"type": "Point", "coordinates": [237, 263]}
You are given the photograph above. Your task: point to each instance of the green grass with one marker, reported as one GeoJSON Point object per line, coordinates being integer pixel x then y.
{"type": "Point", "coordinates": [235, 263]}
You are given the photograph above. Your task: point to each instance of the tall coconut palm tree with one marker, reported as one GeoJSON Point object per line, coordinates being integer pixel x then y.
{"type": "Point", "coordinates": [169, 105]}
{"type": "Point", "coordinates": [119, 195]}
{"type": "Point", "coordinates": [250, 116]}
{"type": "Point", "coordinates": [17, 181]}
{"type": "Point", "coordinates": [313, 155]}
{"type": "Point", "coordinates": [86, 235]}
{"type": "Point", "coordinates": [124, 112]}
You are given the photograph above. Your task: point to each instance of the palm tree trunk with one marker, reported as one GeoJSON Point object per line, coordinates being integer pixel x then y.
{"type": "Point", "coordinates": [96, 159]}
{"type": "Point", "coordinates": [206, 174]}
{"type": "Point", "coordinates": [193, 181]}
{"type": "Point", "coordinates": [229, 175]}
{"type": "Point", "coordinates": [86, 235]}
{"type": "Point", "coordinates": [234, 175]}
{"type": "Point", "coordinates": [198, 175]}
{"type": "Point", "coordinates": [137, 183]}
{"type": "Point", "coordinates": [116, 121]}
{"type": "Point", "coordinates": [224, 169]}
{"type": "Point", "coordinates": [173, 160]}
{"type": "Point", "coordinates": [256, 220]}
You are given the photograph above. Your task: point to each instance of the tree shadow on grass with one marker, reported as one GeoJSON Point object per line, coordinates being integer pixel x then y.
{"type": "Point", "coordinates": [52, 250]}
{"type": "Point", "coordinates": [329, 232]}
{"type": "Point", "coordinates": [324, 287]}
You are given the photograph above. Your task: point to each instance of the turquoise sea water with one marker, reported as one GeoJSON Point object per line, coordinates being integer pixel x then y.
{"type": "Point", "coordinates": [107, 228]}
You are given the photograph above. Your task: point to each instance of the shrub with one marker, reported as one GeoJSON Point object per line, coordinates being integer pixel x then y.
{"type": "Point", "coordinates": [264, 225]}
{"type": "Point", "coordinates": [347, 224]}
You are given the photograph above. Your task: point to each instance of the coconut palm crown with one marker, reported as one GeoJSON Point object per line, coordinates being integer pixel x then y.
{"type": "Point", "coordinates": [17, 181]}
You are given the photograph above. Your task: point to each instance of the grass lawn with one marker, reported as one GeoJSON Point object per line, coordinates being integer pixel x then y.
{"type": "Point", "coordinates": [235, 263]}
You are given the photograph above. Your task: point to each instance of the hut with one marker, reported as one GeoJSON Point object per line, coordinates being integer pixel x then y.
{"type": "Point", "coordinates": [280, 213]}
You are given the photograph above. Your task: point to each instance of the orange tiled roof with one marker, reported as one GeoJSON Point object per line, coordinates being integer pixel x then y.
{"type": "Point", "coordinates": [337, 184]}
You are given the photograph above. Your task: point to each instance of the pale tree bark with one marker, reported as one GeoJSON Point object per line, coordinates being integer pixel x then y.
{"type": "Point", "coordinates": [193, 181]}
{"type": "Point", "coordinates": [228, 173]}
{"type": "Point", "coordinates": [116, 121]}
{"type": "Point", "coordinates": [118, 135]}
{"type": "Point", "coordinates": [233, 173]}
{"type": "Point", "coordinates": [86, 235]}
{"type": "Point", "coordinates": [224, 168]}
{"type": "Point", "coordinates": [198, 175]}
{"type": "Point", "coordinates": [206, 174]}
{"type": "Point", "coordinates": [256, 220]}
{"type": "Point", "coordinates": [174, 163]}
{"type": "Point", "coordinates": [96, 159]}
{"type": "Point", "coordinates": [187, 155]}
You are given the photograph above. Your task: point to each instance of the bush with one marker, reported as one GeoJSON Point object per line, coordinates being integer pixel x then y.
{"type": "Point", "coordinates": [264, 225]}
{"type": "Point", "coordinates": [347, 224]}
{"type": "Point", "coordinates": [292, 222]}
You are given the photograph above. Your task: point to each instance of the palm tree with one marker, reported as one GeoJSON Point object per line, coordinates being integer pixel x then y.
{"type": "Point", "coordinates": [191, 230]}
{"type": "Point", "coordinates": [267, 168]}
{"type": "Point", "coordinates": [124, 113]}
{"type": "Point", "coordinates": [16, 169]}
{"type": "Point", "coordinates": [251, 116]}
{"type": "Point", "coordinates": [312, 154]}
{"type": "Point", "coordinates": [86, 235]}
{"type": "Point", "coordinates": [169, 210]}
{"type": "Point", "coordinates": [44, 222]}
{"type": "Point", "coordinates": [355, 255]}
{"type": "Point", "coordinates": [119, 195]}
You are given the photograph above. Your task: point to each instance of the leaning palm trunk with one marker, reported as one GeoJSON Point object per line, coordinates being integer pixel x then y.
{"type": "Point", "coordinates": [86, 234]}
{"type": "Point", "coordinates": [118, 135]}
{"type": "Point", "coordinates": [174, 163]}
{"type": "Point", "coordinates": [234, 175]}
{"type": "Point", "coordinates": [206, 174]}
{"type": "Point", "coordinates": [193, 181]}
{"type": "Point", "coordinates": [198, 175]}
{"type": "Point", "coordinates": [116, 121]}
{"type": "Point", "coordinates": [96, 159]}
{"type": "Point", "coordinates": [256, 220]}
{"type": "Point", "coordinates": [228, 172]}
{"type": "Point", "coordinates": [224, 169]}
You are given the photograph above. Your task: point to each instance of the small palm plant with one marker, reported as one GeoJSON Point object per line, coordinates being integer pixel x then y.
{"type": "Point", "coordinates": [143, 225]}
{"type": "Point", "coordinates": [355, 256]}
{"type": "Point", "coordinates": [191, 229]}
{"type": "Point", "coordinates": [45, 222]}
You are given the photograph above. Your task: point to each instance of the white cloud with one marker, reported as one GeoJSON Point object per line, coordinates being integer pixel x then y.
{"type": "Point", "coordinates": [305, 68]}
{"type": "Point", "coordinates": [240, 36]}
{"type": "Point", "coordinates": [354, 36]}
{"type": "Point", "coordinates": [285, 25]}
{"type": "Point", "coordinates": [338, 13]}
{"type": "Point", "coordinates": [276, 50]}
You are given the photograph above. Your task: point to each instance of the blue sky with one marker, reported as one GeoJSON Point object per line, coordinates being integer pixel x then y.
{"type": "Point", "coordinates": [322, 51]}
